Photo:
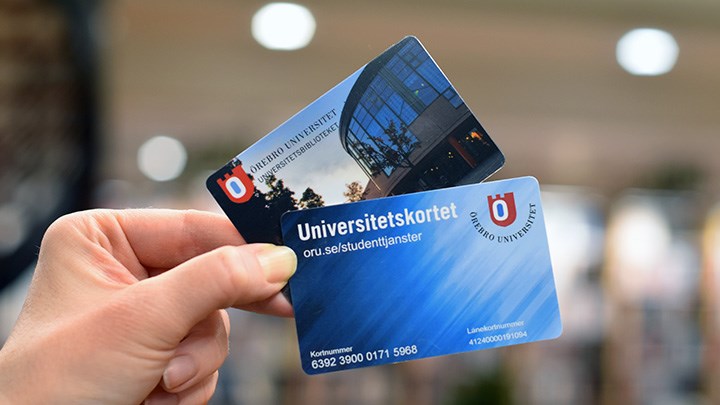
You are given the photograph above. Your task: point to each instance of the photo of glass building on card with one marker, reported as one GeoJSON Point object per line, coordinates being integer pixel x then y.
{"type": "Point", "coordinates": [409, 130]}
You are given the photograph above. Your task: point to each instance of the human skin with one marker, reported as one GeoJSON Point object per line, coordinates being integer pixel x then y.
{"type": "Point", "coordinates": [129, 306]}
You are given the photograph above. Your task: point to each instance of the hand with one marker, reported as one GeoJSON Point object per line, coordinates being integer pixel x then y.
{"type": "Point", "coordinates": [129, 305]}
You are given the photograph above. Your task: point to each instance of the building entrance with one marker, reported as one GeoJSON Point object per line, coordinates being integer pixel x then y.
{"type": "Point", "coordinates": [443, 168]}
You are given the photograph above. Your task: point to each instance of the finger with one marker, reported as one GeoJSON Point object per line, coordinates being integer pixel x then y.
{"type": "Point", "coordinates": [165, 238]}
{"type": "Point", "coordinates": [200, 354]}
{"type": "Point", "coordinates": [227, 276]}
{"type": "Point", "coordinates": [199, 393]}
{"type": "Point", "coordinates": [276, 305]}
{"type": "Point", "coordinates": [145, 241]}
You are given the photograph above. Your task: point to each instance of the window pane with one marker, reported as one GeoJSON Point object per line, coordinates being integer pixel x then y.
{"type": "Point", "coordinates": [453, 97]}
{"type": "Point", "coordinates": [407, 114]}
{"type": "Point", "coordinates": [413, 54]}
{"type": "Point", "coordinates": [385, 116]}
{"type": "Point", "coordinates": [421, 89]}
{"type": "Point", "coordinates": [354, 126]}
{"type": "Point", "coordinates": [433, 75]}
{"type": "Point", "coordinates": [374, 129]}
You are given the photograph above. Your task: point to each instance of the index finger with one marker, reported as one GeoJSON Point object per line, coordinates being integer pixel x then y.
{"type": "Point", "coordinates": [162, 238]}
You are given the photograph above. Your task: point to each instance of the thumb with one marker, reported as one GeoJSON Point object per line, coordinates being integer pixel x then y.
{"type": "Point", "coordinates": [227, 276]}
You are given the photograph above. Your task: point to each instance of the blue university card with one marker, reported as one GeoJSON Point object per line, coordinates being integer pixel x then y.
{"type": "Point", "coordinates": [395, 126]}
{"type": "Point", "coordinates": [420, 275]}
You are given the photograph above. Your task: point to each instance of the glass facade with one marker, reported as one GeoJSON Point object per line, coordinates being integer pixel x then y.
{"type": "Point", "coordinates": [402, 89]}
{"type": "Point", "coordinates": [446, 167]}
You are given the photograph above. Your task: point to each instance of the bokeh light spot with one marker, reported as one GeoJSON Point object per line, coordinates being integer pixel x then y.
{"type": "Point", "coordinates": [647, 52]}
{"type": "Point", "coordinates": [162, 158]}
{"type": "Point", "coordinates": [283, 26]}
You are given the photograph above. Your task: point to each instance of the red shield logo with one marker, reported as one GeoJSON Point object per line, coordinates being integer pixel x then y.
{"type": "Point", "coordinates": [502, 209]}
{"type": "Point", "coordinates": [237, 185]}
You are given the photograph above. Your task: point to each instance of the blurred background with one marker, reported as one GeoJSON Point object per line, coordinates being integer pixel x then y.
{"type": "Point", "coordinates": [613, 105]}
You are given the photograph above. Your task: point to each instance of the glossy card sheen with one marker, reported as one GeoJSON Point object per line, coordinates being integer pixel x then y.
{"type": "Point", "coordinates": [395, 126]}
{"type": "Point", "coordinates": [420, 275]}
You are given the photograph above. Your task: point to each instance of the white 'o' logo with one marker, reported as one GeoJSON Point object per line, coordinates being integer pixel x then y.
{"type": "Point", "coordinates": [500, 210]}
{"type": "Point", "coordinates": [235, 187]}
